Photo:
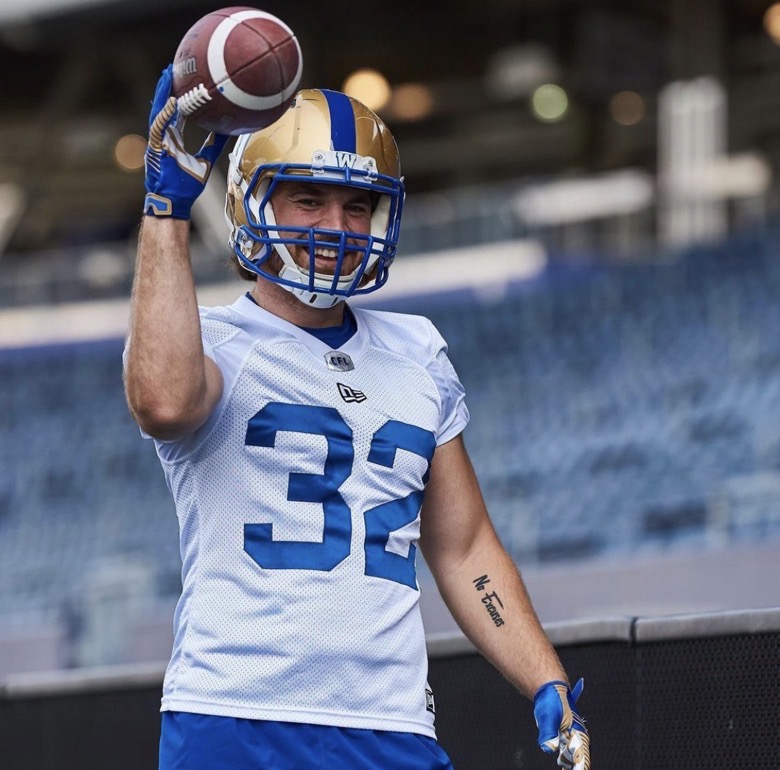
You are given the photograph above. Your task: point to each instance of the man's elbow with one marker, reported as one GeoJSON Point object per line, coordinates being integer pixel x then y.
{"type": "Point", "coordinates": [164, 421]}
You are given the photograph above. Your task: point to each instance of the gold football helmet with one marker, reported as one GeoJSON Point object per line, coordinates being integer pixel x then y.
{"type": "Point", "coordinates": [325, 137]}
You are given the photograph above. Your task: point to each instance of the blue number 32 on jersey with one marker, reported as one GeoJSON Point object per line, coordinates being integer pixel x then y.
{"type": "Point", "coordinates": [324, 489]}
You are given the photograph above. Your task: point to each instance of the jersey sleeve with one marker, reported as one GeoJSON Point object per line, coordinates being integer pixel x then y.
{"type": "Point", "coordinates": [454, 412]}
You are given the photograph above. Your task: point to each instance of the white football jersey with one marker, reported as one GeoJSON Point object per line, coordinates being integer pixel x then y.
{"type": "Point", "coordinates": [298, 505]}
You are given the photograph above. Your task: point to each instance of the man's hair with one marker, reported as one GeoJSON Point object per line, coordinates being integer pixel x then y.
{"type": "Point", "coordinates": [239, 270]}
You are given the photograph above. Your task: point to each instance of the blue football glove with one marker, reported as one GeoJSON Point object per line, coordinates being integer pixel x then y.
{"type": "Point", "coordinates": [174, 178]}
{"type": "Point", "coordinates": [561, 728]}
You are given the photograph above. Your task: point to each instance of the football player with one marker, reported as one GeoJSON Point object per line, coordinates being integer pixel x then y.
{"type": "Point", "coordinates": [311, 447]}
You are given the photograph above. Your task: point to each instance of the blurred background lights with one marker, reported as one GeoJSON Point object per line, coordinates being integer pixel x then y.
{"type": "Point", "coordinates": [368, 86]}
{"type": "Point", "coordinates": [411, 101]}
{"type": "Point", "coordinates": [627, 108]}
{"type": "Point", "coordinates": [514, 72]}
{"type": "Point", "coordinates": [549, 102]}
{"type": "Point", "coordinates": [129, 152]}
{"type": "Point", "coordinates": [772, 22]}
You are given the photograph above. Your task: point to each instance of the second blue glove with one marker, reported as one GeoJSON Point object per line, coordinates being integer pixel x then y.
{"type": "Point", "coordinates": [561, 728]}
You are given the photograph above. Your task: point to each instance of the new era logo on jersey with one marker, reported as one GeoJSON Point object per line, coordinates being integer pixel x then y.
{"type": "Point", "coordinates": [350, 395]}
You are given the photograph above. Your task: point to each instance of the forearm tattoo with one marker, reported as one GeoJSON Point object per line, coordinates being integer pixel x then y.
{"type": "Point", "coordinates": [490, 600]}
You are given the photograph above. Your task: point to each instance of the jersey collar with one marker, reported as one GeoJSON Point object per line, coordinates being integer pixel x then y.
{"type": "Point", "coordinates": [353, 347]}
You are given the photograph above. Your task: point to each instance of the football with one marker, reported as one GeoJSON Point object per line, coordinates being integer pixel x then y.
{"type": "Point", "coordinates": [236, 70]}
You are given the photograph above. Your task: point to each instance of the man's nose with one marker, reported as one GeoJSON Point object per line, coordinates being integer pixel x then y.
{"type": "Point", "coordinates": [333, 217]}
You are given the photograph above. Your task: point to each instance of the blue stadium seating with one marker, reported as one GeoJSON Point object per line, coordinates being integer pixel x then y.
{"type": "Point", "coordinates": [610, 406]}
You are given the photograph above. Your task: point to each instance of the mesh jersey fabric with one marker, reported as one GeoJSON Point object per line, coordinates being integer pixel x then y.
{"type": "Point", "coordinates": [298, 506]}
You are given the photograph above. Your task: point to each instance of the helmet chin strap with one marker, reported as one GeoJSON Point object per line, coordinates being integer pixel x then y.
{"type": "Point", "coordinates": [308, 298]}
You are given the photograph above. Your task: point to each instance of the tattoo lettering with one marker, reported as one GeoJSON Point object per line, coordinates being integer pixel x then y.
{"type": "Point", "coordinates": [490, 600]}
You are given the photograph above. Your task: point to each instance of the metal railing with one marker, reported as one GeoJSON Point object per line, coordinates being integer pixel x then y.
{"type": "Point", "coordinates": [687, 691]}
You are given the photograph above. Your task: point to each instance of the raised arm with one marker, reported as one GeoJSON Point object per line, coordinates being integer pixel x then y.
{"type": "Point", "coordinates": [171, 385]}
{"type": "Point", "coordinates": [486, 595]}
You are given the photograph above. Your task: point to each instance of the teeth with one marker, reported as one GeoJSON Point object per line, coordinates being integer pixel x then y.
{"type": "Point", "coordinates": [327, 253]}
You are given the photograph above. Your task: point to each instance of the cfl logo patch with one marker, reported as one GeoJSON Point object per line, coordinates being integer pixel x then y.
{"type": "Point", "coordinates": [338, 361]}
{"type": "Point", "coordinates": [350, 395]}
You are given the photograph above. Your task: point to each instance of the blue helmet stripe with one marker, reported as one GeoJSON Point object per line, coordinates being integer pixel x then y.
{"type": "Point", "coordinates": [342, 121]}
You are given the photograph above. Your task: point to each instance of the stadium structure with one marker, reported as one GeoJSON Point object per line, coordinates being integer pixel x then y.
{"type": "Point", "coordinates": [591, 222]}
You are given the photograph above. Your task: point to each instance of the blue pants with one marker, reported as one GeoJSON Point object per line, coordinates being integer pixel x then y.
{"type": "Point", "coordinates": [199, 742]}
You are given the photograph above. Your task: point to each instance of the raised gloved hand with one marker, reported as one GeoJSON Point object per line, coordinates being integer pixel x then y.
{"type": "Point", "coordinates": [174, 178]}
{"type": "Point", "coordinates": [561, 728]}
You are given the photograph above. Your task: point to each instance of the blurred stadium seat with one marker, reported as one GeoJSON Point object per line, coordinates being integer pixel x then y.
{"type": "Point", "coordinates": [634, 406]}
